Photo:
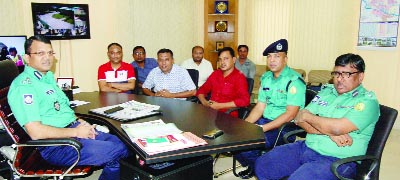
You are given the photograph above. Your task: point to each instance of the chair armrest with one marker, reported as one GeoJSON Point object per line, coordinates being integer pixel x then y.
{"type": "Point", "coordinates": [291, 133]}
{"type": "Point", "coordinates": [339, 162]}
{"type": "Point", "coordinates": [242, 111]}
{"type": "Point", "coordinates": [192, 99]}
{"type": "Point", "coordinates": [231, 110]}
{"type": "Point", "coordinates": [55, 142]}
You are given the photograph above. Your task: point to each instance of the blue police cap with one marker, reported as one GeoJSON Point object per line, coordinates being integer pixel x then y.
{"type": "Point", "coordinates": [278, 46]}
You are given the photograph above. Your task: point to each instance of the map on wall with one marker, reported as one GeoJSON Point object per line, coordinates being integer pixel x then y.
{"type": "Point", "coordinates": [379, 23]}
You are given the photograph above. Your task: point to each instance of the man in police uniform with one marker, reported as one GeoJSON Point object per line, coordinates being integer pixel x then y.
{"type": "Point", "coordinates": [339, 123]}
{"type": "Point", "coordinates": [281, 96]}
{"type": "Point", "coordinates": [43, 110]}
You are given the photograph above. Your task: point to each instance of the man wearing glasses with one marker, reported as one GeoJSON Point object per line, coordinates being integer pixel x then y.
{"type": "Point", "coordinates": [339, 123]}
{"type": "Point", "coordinates": [142, 64]}
{"type": "Point", "coordinates": [43, 110]}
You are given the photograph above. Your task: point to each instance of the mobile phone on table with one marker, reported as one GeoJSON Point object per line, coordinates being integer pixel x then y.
{"type": "Point", "coordinates": [213, 134]}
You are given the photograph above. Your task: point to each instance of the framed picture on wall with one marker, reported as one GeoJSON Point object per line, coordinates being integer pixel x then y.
{"type": "Point", "coordinates": [219, 45]}
{"type": "Point", "coordinates": [65, 83]}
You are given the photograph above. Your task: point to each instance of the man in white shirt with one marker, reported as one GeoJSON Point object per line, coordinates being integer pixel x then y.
{"type": "Point", "coordinates": [199, 63]}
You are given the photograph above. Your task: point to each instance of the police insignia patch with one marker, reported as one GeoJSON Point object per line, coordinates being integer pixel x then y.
{"type": "Point", "coordinates": [293, 90]}
{"type": "Point", "coordinates": [359, 107]}
{"type": "Point", "coordinates": [56, 106]}
{"type": "Point", "coordinates": [279, 47]}
{"type": "Point", "coordinates": [28, 98]}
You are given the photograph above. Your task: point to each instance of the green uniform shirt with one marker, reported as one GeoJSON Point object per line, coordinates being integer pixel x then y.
{"type": "Point", "coordinates": [34, 96]}
{"type": "Point", "coordinates": [276, 93]}
{"type": "Point", "coordinates": [359, 106]}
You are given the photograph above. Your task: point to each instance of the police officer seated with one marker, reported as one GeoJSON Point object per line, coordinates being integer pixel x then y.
{"type": "Point", "coordinates": [281, 96]}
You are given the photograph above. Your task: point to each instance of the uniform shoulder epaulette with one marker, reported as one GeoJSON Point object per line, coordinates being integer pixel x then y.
{"type": "Point", "coordinates": [296, 77]}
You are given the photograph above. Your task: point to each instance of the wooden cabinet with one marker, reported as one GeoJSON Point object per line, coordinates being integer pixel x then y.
{"type": "Point", "coordinates": [214, 31]}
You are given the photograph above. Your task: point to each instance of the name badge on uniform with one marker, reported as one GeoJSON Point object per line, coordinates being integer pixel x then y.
{"type": "Point", "coordinates": [315, 99]}
{"type": "Point", "coordinates": [323, 103]}
{"type": "Point", "coordinates": [49, 91]}
{"type": "Point", "coordinates": [56, 106]}
{"type": "Point", "coordinates": [28, 98]}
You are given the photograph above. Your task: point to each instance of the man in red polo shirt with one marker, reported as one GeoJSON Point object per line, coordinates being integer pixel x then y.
{"type": "Point", "coordinates": [227, 85]}
{"type": "Point", "coordinates": [116, 75]}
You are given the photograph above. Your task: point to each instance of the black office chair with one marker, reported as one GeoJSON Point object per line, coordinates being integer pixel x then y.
{"type": "Point", "coordinates": [8, 71]}
{"type": "Point", "coordinates": [27, 161]}
{"type": "Point", "coordinates": [137, 89]}
{"type": "Point", "coordinates": [370, 162]}
{"type": "Point", "coordinates": [243, 112]}
{"type": "Point", "coordinates": [194, 74]}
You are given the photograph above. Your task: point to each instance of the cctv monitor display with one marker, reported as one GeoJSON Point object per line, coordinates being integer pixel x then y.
{"type": "Point", "coordinates": [61, 21]}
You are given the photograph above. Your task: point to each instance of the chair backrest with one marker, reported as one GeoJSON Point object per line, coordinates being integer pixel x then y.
{"type": "Point", "coordinates": [310, 94]}
{"type": "Point", "coordinates": [301, 72]}
{"type": "Point", "coordinates": [8, 71]}
{"type": "Point", "coordinates": [194, 74]}
{"type": "Point", "coordinates": [319, 76]}
{"type": "Point", "coordinates": [136, 90]}
{"type": "Point", "coordinates": [378, 140]}
{"type": "Point", "coordinates": [250, 85]}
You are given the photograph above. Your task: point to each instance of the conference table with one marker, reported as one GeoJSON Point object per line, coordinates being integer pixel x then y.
{"type": "Point", "coordinates": [186, 115]}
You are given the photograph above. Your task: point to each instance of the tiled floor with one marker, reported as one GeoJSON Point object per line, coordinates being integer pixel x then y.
{"type": "Point", "coordinates": [390, 164]}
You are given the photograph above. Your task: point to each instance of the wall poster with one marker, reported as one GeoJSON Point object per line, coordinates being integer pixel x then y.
{"type": "Point", "coordinates": [379, 23]}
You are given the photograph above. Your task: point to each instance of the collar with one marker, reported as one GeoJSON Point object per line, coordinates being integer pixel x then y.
{"type": "Point", "coordinates": [353, 93]}
{"type": "Point", "coordinates": [34, 73]}
{"type": "Point", "coordinates": [109, 65]}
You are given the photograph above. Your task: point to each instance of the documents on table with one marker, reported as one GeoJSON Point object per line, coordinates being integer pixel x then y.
{"type": "Point", "coordinates": [156, 137]}
{"type": "Point", "coordinates": [127, 111]}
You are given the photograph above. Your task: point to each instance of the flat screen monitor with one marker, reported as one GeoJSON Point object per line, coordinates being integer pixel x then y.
{"type": "Point", "coordinates": [61, 21]}
{"type": "Point", "coordinates": [12, 48]}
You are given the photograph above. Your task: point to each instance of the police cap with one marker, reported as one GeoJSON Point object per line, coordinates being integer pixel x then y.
{"type": "Point", "coordinates": [278, 46]}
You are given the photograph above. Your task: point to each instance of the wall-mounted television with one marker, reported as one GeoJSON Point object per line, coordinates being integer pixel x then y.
{"type": "Point", "coordinates": [61, 21]}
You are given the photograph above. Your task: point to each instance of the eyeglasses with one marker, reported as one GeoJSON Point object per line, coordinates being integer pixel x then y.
{"type": "Point", "coordinates": [139, 53]}
{"type": "Point", "coordinates": [42, 53]}
{"type": "Point", "coordinates": [336, 74]}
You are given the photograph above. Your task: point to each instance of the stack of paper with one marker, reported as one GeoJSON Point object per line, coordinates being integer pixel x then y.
{"type": "Point", "coordinates": [156, 137]}
{"type": "Point", "coordinates": [131, 110]}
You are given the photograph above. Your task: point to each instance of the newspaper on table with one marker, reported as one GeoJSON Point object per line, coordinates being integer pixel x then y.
{"type": "Point", "coordinates": [128, 111]}
{"type": "Point", "coordinates": [156, 137]}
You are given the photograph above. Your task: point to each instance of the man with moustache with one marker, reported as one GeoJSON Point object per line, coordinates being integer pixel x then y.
{"type": "Point", "coordinates": [281, 96]}
{"type": "Point", "coordinates": [243, 64]}
{"type": "Point", "coordinates": [199, 63]}
{"type": "Point", "coordinates": [339, 123]}
{"type": "Point", "coordinates": [143, 64]}
{"type": "Point", "coordinates": [115, 75]}
{"type": "Point", "coordinates": [43, 110]}
{"type": "Point", "coordinates": [168, 80]}
{"type": "Point", "coordinates": [227, 85]}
